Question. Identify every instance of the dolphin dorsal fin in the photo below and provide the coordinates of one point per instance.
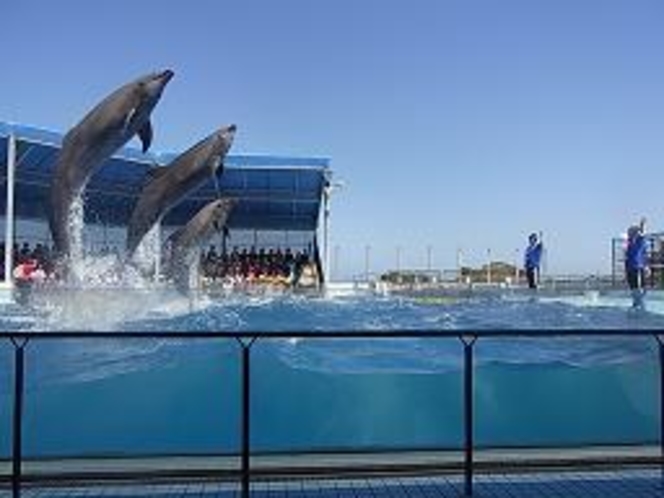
(145, 134)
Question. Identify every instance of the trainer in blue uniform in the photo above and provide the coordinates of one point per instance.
(532, 260)
(636, 258)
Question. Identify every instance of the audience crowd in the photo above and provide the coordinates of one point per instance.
(272, 265)
(253, 266)
(24, 253)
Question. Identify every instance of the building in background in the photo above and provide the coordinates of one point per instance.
(281, 199)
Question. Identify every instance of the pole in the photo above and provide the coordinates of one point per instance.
(19, 374)
(544, 268)
(336, 262)
(246, 415)
(468, 344)
(660, 343)
(9, 218)
(326, 230)
(429, 257)
(614, 277)
(367, 254)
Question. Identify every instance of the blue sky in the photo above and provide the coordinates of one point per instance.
(453, 123)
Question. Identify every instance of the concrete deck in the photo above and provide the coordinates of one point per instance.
(311, 465)
(606, 472)
(641, 483)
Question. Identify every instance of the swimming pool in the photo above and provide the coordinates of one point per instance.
(181, 396)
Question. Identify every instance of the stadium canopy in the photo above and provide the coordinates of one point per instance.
(273, 192)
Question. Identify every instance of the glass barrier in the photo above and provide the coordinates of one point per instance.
(175, 396)
(131, 397)
(575, 391)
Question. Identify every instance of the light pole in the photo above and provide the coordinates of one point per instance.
(488, 266)
(335, 271)
(459, 262)
(429, 257)
(9, 218)
(367, 259)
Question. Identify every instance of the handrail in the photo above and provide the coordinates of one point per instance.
(333, 334)
(245, 339)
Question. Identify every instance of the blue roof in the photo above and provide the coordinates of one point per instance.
(274, 192)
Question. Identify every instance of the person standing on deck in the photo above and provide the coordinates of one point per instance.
(636, 256)
(532, 260)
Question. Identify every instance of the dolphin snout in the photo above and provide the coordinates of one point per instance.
(226, 134)
(166, 75)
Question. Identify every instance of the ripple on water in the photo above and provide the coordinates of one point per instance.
(168, 311)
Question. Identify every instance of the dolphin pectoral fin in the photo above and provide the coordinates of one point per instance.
(215, 163)
(145, 134)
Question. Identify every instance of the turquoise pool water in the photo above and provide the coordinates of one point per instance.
(182, 396)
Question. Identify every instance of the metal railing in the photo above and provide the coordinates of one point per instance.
(468, 339)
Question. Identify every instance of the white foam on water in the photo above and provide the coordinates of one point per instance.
(104, 292)
(653, 304)
(591, 299)
(94, 308)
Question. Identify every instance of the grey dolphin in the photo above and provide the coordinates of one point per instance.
(183, 244)
(106, 128)
(170, 184)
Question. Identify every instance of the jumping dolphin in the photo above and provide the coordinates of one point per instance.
(183, 244)
(110, 125)
(170, 184)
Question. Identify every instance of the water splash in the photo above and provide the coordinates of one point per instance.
(105, 291)
(75, 223)
(148, 253)
(90, 271)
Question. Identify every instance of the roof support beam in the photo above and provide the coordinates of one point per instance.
(9, 211)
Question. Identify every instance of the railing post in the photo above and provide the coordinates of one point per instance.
(660, 343)
(468, 343)
(246, 415)
(19, 377)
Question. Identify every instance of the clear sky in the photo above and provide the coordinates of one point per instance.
(452, 123)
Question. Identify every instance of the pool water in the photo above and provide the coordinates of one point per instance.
(180, 396)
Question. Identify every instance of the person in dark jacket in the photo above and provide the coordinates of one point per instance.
(636, 259)
(533, 259)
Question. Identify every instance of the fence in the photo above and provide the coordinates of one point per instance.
(246, 340)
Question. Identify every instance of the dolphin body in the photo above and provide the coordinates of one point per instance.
(183, 244)
(170, 184)
(110, 125)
